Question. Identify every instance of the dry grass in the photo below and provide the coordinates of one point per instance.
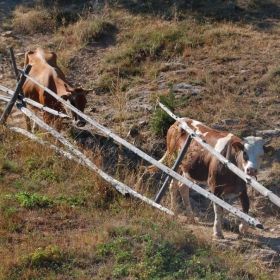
(89, 29)
(30, 21)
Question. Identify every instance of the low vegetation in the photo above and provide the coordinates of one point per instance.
(80, 228)
(58, 219)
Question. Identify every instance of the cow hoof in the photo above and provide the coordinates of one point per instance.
(218, 236)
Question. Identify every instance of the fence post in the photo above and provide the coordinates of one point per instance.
(175, 167)
(16, 71)
(14, 63)
(14, 97)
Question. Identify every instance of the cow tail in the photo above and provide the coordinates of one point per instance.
(153, 168)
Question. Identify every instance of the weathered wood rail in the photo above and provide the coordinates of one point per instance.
(151, 160)
(33, 103)
(81, 159)
(140, 153)
(14, 96)
(249, 180)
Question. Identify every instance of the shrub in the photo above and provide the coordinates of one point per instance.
(27, 200)
(161, 121)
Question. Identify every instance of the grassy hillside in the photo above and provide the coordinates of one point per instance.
(60, 220)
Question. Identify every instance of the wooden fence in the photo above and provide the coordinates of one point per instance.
(79, 157)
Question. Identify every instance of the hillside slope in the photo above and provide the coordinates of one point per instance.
(220, 62)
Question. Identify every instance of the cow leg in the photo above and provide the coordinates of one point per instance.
(28, 123)
(185, 193)
(35, 127)
(243, 227)
(173, 190)
(218, 222)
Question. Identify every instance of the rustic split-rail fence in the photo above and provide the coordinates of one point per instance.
(74, 154)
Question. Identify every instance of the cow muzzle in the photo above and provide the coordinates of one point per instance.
(80, 123)
(252, 171)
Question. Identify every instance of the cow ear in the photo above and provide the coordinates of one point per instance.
(238, 146)
(68, 89)
(269, 150)
(87, 91)
(65, 97)
(81, 91)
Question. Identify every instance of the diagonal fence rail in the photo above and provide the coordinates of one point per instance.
(33, 103)
(151, 160)
(81, 158)
(249, 180)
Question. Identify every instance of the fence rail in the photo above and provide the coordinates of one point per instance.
(34, 103)
(81, 159)
(249, 180)
(118, 185)
(151, 160)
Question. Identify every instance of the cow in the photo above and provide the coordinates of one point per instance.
(199, 165)
(46, 72)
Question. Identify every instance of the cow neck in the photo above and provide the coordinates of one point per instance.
(59, 83)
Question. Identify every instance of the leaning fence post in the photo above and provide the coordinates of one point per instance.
(174, 168)
(16, 71)
(14, 63)
(14, 97)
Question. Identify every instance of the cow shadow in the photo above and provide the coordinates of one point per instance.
(113, 155)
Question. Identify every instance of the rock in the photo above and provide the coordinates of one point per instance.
(133, 132)
(181, 86)
(7, 34)
(178, 72)
(229, 121)
(268, 132)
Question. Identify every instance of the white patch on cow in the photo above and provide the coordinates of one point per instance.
(253, 146)
(196, 128)
(222, 142)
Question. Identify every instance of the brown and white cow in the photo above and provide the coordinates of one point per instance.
(201, 166)
(46, 72)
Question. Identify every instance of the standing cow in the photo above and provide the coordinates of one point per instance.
(46, 72)
(201, 166)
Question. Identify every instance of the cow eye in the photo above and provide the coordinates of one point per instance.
(245, 156)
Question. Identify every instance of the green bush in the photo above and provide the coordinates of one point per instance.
(161, 121)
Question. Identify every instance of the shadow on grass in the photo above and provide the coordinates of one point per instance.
(258, 13)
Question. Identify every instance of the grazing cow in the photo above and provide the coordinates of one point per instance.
(201, 166)
(46, 72)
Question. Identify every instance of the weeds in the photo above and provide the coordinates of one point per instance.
(28, 201)
(161, 121)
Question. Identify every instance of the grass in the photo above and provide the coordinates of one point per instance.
(61, 221)
(84, 229)
(33, 20)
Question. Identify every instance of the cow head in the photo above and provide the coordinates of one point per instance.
(253, 150)
(77, 98)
